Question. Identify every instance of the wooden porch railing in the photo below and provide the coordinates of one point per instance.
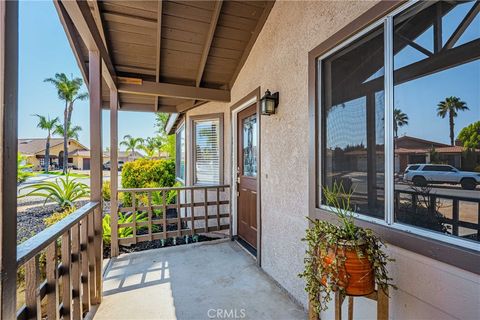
(455, 221)
(65, 286)
(163, 220)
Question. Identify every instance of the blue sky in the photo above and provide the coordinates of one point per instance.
(44, 50)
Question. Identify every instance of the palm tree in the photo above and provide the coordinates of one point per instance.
(450, 106)
(131, 143)
(49, 125)
(400, 119)
(151, 145)
(72, 132)
(69, 91)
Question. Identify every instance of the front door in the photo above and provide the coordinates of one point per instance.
(247, 175)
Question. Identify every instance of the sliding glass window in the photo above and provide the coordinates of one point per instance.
(419, 68)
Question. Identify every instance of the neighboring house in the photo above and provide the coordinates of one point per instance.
(34, 150)
(124, 156)
(409, 150)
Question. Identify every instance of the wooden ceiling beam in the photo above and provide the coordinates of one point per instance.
(208, 41)
(159, 89)
(72, 39)
(159, 46)
(251, 42)
(462, 26)
(82, 18)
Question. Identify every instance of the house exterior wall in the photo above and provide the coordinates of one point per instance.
(279, 62)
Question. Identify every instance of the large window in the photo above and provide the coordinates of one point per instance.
(207, 149)
(400, 120)
(180, 153)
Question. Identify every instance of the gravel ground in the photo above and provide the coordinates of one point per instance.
(31, 213)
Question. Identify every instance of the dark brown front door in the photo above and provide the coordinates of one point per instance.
(247, 175)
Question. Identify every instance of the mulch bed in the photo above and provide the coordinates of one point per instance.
(30, 220)
(157, 244)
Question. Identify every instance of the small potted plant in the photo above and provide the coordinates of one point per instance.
(342, 257)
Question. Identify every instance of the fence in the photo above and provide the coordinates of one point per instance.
(145, 219)
(70, 268)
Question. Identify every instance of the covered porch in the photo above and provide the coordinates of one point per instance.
(216, 279)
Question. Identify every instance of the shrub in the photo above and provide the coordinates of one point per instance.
(106, 191)
(145, 172)
(122, 232)
(477, 168)
(64, 191)
(57, 216)
(22, 166)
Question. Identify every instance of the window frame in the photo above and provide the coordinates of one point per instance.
(193, 153)
(451, 250)
(181, 126)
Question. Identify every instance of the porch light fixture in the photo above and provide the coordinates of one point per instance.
(269, 103)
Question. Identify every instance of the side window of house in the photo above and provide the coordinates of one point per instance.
(353, 122)
(207, 155)
(180, 153)
(421, 67)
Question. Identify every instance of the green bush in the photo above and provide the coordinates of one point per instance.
(22, 167)
(106, 191)
(143, 173)
(57, 216)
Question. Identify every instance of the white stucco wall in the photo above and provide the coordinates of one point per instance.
(428, 289)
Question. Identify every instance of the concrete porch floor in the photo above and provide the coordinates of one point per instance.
(209, 280)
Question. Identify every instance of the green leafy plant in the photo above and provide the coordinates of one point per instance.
(107, 230)
(22, 167)
(324, 238)
(145, 172)
(124, 232)
(64, 191)
(106, 192)
(57, 216)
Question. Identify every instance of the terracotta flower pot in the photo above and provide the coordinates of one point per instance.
(357, 275)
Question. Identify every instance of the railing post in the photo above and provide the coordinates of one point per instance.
(205, 204)
(114, 251)
(32, 294)
(66, 277)
(8, 156)
(85, 278)
(455, 217)
(52, 281)
(96, 170)
(75, 277)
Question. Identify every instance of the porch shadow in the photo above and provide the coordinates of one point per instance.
(204, 281)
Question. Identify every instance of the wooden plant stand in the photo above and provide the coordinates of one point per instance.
(379, 296)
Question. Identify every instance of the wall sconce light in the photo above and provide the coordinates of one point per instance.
(269, 103)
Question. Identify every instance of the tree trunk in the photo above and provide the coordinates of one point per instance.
(65, 140)
(452, 125)
(47, 154)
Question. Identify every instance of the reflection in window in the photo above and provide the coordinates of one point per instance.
(250, 146)
(436, 117)
(353, 122)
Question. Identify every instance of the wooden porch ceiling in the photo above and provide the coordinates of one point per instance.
(166, 56)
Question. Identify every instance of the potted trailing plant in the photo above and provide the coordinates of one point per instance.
(342, 257)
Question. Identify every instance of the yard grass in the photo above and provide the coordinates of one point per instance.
(71, 174)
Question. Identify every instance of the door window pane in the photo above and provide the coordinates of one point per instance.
(352, 120)
(436, 117)
(250, 146)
